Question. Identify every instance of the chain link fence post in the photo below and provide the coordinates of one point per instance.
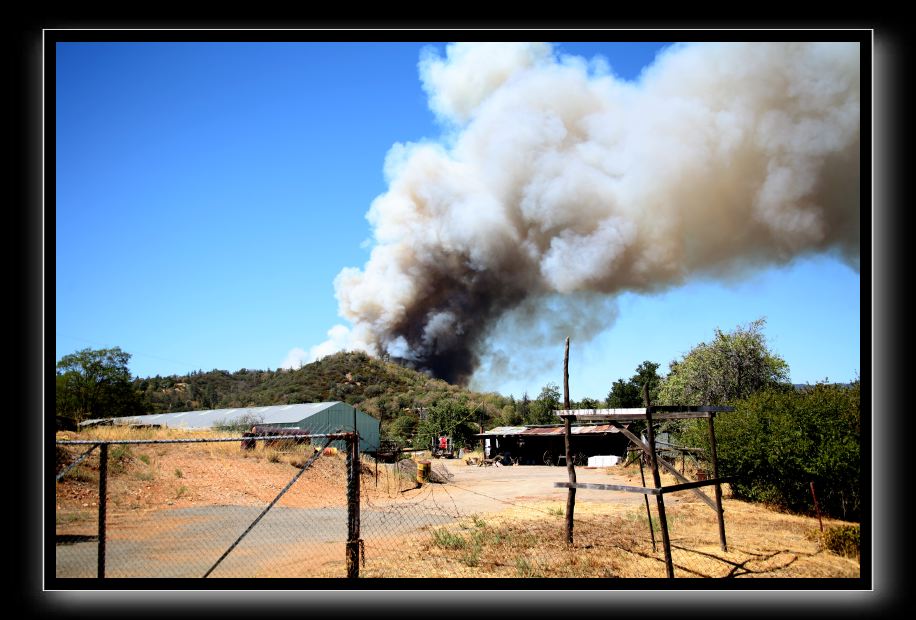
(103, 492)
(353, 506)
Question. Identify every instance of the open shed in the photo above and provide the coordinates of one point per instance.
(326, 417)
(544, 445)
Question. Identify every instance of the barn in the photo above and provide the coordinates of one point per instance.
(328, 417)
(545, 445)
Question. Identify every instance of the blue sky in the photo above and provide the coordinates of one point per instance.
(208, 194)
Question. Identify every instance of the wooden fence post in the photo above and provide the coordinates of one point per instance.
(663, 521)
(715, 475)
(570, 466)
(642, 476)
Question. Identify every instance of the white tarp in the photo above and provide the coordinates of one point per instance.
(608, 460)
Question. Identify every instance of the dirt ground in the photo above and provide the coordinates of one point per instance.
(481, 522)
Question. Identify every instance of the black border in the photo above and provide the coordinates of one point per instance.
(809, 597)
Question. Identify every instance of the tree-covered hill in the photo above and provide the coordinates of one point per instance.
(382, 389)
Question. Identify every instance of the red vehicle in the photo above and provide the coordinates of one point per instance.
(443, 448)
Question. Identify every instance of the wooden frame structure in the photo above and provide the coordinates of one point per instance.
(651, 414)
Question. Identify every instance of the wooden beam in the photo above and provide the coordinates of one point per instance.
(674, 488)
(607, 487)
(587, 415)
(634, 414)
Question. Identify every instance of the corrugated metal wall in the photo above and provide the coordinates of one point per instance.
(339, 417)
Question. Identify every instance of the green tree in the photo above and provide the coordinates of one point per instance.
(628, 393)
(588, 403)
(509, 416)
(541, 410)
(624, 394)
(524, 408)
(402, 428)
(447, 417)
(95, 383)
(733, 366)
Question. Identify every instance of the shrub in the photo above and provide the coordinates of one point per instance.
(842, 540)
(779, 441)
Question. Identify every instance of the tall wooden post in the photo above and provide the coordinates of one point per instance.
(570, 467)
(663, 521)
(715, 475)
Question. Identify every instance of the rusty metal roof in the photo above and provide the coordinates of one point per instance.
(591, 429)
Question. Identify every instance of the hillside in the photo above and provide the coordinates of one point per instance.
(382, 389)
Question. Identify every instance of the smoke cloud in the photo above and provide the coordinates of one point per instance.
(558, 181)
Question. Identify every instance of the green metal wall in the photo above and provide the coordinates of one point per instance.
(339, 418)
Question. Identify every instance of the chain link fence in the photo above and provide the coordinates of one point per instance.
(457, 526)
(210, 508)
(479, 523)
(202, 508)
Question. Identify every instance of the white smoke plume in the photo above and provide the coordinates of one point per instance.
(557, 179)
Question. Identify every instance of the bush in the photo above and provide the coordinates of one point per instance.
(842, 540)
(779, 441)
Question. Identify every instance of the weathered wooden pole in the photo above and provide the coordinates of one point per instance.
(715, 475)
(663, 521)
(642, 476)
(570, 467)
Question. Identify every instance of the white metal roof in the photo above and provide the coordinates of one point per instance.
(274, 414)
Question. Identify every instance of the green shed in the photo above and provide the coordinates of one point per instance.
(331, 417)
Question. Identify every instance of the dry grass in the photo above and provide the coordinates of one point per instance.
(612, 540)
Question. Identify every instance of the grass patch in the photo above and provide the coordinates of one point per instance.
(81, 473)
(524, 568)
(69, 518)
(181, 491)
(557, 512)
(448, 540)
(179, 473)
(119, 457)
